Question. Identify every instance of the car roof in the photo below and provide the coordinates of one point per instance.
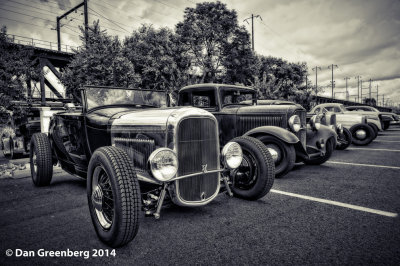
(216, 85)
(328, 104)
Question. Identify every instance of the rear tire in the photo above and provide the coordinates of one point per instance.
(114, 197)
(368, 131)
(346, 138)
(386, 125)
(286, 154)
(40, 158)
(255, 176)
(328, 152)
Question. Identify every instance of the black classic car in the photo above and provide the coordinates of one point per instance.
(282, 128)
(135, 156)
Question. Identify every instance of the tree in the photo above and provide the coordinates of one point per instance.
(158, 58)
(370, 101)
(240, 62)
(283, 80)
(207, 33)
(100, 62)
(16, 70)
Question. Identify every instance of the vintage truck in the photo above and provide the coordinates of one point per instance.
(282, 128)
(137, 155)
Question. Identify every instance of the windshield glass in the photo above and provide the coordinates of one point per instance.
(97, 96)
(237, 96)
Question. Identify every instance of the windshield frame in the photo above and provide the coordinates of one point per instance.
(86, 108)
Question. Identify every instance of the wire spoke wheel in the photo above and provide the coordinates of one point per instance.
(102, 197)
(246, 175)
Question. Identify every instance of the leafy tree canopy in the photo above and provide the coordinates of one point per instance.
(100, 62)
(157, 57)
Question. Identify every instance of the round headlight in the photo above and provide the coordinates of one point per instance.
(315, 122)
(163, 164)
(294, 123)
(232, 155)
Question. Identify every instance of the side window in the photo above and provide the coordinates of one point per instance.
(336, 109)
(317, 110)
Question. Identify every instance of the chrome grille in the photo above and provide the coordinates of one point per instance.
(197, 146)
(247, 123)
(137, 149)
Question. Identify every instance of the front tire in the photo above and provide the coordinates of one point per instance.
(345, 140)
(375, 128)
(113, 195)
(40, 158)
(386, 125)
(328, 152)
(286, 154)
(366, 136)
(255, 176)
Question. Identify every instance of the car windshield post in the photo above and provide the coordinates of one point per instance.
(104, 96)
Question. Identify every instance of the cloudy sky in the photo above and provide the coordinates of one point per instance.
(361, 37)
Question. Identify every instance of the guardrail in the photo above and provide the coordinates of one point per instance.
(40, 43)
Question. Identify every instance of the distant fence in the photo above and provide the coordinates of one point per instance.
(40, 43)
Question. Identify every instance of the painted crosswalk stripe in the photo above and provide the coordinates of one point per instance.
(367, 165)
(370, 149)
(393, 141)
(337, 203)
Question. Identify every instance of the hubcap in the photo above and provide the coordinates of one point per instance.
(274, 154)
(102, 197)
(361, 134)
(97, 198)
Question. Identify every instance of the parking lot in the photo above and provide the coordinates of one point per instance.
(342, 212)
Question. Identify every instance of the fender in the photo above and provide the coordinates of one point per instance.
(278, 132)
(324, 132)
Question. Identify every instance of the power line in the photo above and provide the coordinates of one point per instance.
(36, 25)
(19, 8)
(23, 4)
(108, 20)
(25, 14)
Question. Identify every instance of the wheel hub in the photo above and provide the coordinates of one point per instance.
(274, 154)
(361, 134)
(97, 198)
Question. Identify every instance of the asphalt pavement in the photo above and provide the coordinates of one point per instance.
(343, 212)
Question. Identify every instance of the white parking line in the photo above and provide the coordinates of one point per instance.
(369, 149)
(336, 203)
(394, 141)
(367, 165)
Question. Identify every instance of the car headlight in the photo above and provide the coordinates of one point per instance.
(232, 155)
(294, 123)
(315, 122)
(163, 164)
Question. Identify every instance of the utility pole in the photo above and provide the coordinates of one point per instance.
(361, 89)
(383, 100)
(347, 92)
(85, 11)
(370, 81)
(316, 78)
(333, 83)
(377, 93)
(252, 27)
(358, 88)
